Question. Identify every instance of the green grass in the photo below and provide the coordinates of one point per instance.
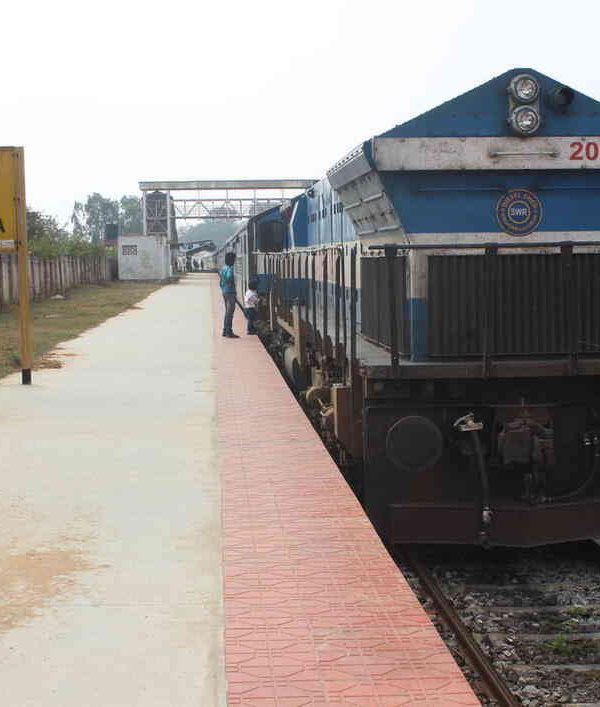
(561, 645)
(56, 320)
(577, 611)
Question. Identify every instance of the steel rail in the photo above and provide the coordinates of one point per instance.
(493, 684)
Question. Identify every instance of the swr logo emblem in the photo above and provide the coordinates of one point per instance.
(519, 212)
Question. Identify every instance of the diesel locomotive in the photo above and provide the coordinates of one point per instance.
(436, 301)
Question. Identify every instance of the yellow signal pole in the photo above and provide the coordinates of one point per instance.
(23, 265)
(13, 238)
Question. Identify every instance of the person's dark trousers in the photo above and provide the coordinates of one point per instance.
(229, 300)
(251, 317)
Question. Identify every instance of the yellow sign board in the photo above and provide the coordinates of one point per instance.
(8, 193)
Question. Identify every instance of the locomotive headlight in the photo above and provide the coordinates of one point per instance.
(525, 120)
(524, 88)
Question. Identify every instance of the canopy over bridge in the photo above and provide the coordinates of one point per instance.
(212, 200)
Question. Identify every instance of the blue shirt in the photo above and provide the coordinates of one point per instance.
(227, 280)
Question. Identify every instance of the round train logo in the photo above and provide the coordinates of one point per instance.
(519, 212)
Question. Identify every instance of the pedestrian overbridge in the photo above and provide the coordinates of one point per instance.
(158, 253)
(211, 200)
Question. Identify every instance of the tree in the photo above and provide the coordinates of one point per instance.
(45, 237)
(49, 240)
(130, 214)
(90, 219)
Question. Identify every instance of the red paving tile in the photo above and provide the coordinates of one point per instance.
(316, 612)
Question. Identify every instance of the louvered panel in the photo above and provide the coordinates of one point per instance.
(527, 309)
(375, 313)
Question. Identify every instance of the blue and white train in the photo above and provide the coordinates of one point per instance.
(436, 298)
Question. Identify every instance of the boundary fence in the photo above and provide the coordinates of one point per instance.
(52, 276)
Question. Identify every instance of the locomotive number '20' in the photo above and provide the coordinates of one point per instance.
(584, 151)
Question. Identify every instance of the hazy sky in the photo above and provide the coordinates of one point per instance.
(104, 94)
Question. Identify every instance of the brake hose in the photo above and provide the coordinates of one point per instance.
(467, 423)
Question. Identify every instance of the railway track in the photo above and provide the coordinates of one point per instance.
(527, 621)
(492, 682)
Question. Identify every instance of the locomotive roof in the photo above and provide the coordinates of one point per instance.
(482, 112)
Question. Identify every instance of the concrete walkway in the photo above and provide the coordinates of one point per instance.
(110, 542)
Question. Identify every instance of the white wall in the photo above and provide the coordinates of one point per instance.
(144, 257)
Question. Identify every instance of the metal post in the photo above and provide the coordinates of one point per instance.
(325, 300)
(168, 254)
(23, 266)
(353, 295)
(417, 303)
(344, 312)
(572, 313)
(144, 214)
(314, 297)
(337, 304)
(168, 205)
(489, 290)
(305, 288)
(390, 256)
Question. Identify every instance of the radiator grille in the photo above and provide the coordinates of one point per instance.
(375, 311)
(514, 304)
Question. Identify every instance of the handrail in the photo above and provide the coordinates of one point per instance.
(483, 246)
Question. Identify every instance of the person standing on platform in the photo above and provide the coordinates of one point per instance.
(251, 300)
(227, 282)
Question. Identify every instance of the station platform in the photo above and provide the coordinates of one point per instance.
(316, 611)
(174, 534)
